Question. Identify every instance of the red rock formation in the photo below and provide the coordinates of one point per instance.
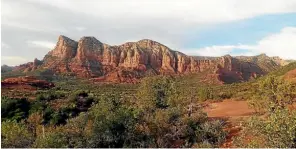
(30, 66)
(90, 58)
(26, 81)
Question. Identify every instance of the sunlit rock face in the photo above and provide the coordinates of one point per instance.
(133, 60)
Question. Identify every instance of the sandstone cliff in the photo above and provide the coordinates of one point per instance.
(133, 60)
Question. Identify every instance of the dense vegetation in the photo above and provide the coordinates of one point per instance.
(158, 112)
(276, 127)
(155, 113)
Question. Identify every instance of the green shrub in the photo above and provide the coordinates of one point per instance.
(14, 109)
(58, 118)
(211, 132)
(37, 106)
(276, 131)
(156, 92)
(205, 94)
(49, 96)
(47, 115)
(40, 97)
(15, 135)
(225, 95)
(272, 93)
(51, 140)
(168, 112)
(113, 124)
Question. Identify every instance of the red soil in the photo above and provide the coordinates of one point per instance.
(291, 75)
(232, 111)
(228, 108)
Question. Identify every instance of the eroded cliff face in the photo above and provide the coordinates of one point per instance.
(65, 48)
(133, 60)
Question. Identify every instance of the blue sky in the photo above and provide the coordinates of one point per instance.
(247, 31)
(195, 27)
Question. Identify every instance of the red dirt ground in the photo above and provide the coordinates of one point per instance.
(291, 75)
(228, 108)
(233, 112)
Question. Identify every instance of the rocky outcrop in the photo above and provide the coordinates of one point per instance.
(86, 62)
(26, 81)
(65, 48)
(30, 66)
(127, 62)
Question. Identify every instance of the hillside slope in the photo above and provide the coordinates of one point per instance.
(290, 72)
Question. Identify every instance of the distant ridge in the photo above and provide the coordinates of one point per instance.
(90, 58)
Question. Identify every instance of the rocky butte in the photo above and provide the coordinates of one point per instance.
(90, 58)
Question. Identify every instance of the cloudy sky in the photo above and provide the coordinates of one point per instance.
(30, 28)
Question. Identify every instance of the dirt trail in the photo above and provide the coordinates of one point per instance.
(232, 112)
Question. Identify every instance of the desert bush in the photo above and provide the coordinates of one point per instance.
(211, 132)
(58, 118)
(75, 133)
(40, 97)
(158, 112)
(51, 140)
(47, 115)
(272, 93)
(225, 95)
(51, 116)
(156, 92)
(112, 123)
(277, 130)
(14, 109)
(37, 106)
(79, 131)
(177, 117)
(15, 135)
(50, 95)
(205, 93)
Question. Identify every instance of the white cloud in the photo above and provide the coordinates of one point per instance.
(220, 50)
(42, 44)
(33, 27)
(198, 11)
(118, 14)
(282, 44)
(115, 21)
(80, 28)
(13, 60)
(4, 45)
